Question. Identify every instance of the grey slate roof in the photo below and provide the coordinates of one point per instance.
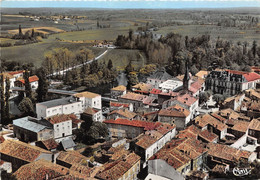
(68, 143)
(58, 102)
(25, 123)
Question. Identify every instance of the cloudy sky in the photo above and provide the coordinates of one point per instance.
(148, 4)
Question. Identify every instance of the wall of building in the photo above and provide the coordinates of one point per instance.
(131, 174)
(240, 142)
(117, 130)
(62, 129)
(116, 94)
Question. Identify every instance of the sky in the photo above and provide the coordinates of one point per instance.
(135, 4)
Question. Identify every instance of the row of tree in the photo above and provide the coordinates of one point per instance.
(173, 51)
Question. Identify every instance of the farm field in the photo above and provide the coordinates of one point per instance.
(34, 53)
(229, 33)
(109, 34)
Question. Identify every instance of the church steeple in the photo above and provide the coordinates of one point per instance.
(186, 78)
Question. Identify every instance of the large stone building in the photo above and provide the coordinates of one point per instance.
(27, 129)
(230, 81)
(54, 107)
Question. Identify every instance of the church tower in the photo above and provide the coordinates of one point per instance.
(186, 78)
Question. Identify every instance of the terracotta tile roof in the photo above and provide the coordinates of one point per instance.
(180, 151)
(193, 148)
(170, 93)
(117, 169)
(255, 125)
(86, 94)
(143, 87)
(2, 139)
(151, 136)
(232, 114)
(133, 96)
(202, 74)
(194, 87)
(249, 76)
(119, 88)
(21, 150)
(218, 117)
(186, 99)
(41, 169)
(155, 91)
(117, 152)
(73, 157)
(190, 132)
(59, 118)
(50, 144)
(118, 104)
(138, 123)
(149, 100)
(208, 136)
(175, 111)
(124, 112)
(206, 119)
(226, 152)
(31, 79)
(16, 72)
(91, 111)
(6, 75)
(241, 126)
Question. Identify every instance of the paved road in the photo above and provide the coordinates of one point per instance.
(77, 66)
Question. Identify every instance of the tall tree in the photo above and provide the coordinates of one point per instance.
(32, 35)
(28, 89)
(2, 99)
(110, 64)
(7, 96)
(254, 48)
(42, 89)
(20, 31)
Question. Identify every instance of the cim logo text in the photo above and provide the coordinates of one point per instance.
(241, 171)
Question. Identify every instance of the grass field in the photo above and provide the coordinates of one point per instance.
(121, 58)
(228, 33)
(98, 34)
(7, 40)
(44, 30)
(34, 53)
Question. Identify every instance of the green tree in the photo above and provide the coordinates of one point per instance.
(32, 35)
(7, 96)
(91, 131)
(2, 99)
(42, 89)
(28, 89)
(254, 47)
(110, 64)
(26, 107)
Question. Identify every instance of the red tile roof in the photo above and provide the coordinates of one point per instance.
(16, 72)
(2, 139)
(41, 169)
(155, 91)
(206, 119)
(194, 87)
(134, 96)
(60, 118)
(186, 99)
(117, 104)
(116, 169)
(249, 76)
(175, 111)
(124, 112)
(73, 157)
(31, 79)
(50, 144)
(135, 123)
(208, 136)
(226, 152)
(21, 150)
